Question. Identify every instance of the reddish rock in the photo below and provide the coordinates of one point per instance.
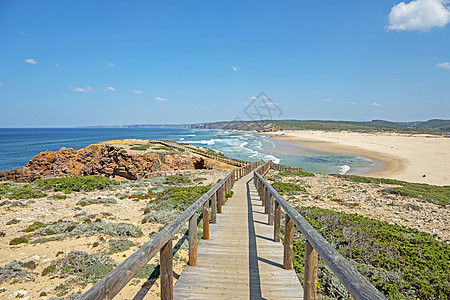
(103, 159)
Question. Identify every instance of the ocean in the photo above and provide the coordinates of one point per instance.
(19, 145)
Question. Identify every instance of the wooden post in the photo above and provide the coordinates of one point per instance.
(166, 270)
(277, 221)
(219, 199)
(270, 219)
(288, 242)
(214, 208)
(206, 220)
(311, 257)
(266, 199)
(193, 240)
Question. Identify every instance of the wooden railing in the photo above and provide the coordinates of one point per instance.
(230, 161)
(112, 283)
(357, 285)
(279, 167)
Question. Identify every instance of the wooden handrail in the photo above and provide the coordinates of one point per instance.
(357, 285)
(112, 283)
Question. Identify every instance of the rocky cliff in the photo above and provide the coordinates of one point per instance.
(105, 159)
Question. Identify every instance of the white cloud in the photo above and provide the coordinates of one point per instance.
(351, 103)
(31, 61)
(138, 92)
(234, 68)
(329, 100)
(419, 15)
(110, 64)
(21, 33)
(253, 98)
(110, 89)
(1, 84)
(272, 103)
(137, 106)
(375, 104)
(57, 65)
(85, 89)
(159, 99)
(444, 65)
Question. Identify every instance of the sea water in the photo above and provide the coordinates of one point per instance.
(19, 145)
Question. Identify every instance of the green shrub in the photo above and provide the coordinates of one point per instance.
(401, 262)
(160, 216)
(14, 271)
(13, 221)
(287, 187)
(62, 197)
(296, 173)
(435, 194)
(180, 197)
(85, 201)
(19, 240)
(33, 227)
(111, 229)
(176, 180)
(20, 193)
(76, 184)
(140, 147)
(121, 245)
(229, 194)
(57, 228)
(46, 239)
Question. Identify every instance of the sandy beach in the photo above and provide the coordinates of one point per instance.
(414, 158)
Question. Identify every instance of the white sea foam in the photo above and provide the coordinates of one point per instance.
(272, 158)
(181, 139)
(344, 169)
(205, 142)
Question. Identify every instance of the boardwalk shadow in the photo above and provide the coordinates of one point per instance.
(255, 279)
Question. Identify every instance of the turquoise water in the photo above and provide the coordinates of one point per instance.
(19, 145)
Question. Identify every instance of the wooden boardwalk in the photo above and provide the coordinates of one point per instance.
(240, 260)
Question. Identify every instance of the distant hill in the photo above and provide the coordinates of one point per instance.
(431, 126)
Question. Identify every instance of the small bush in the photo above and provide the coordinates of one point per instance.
(296, 173)
(287, 187)
(229, 194)
(45, 240)
(19, 240)
(140, 147)
(13, 221)
(121, 245)
(180, 197)
(14, 271)
(176, 180)
(160, 216)
(33, 227)
(76, 184)
(111, 229)
(20, 193)
(86, 201)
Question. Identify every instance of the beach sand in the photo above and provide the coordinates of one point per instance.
(404, 157)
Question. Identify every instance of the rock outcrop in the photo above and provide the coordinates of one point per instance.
(104, 159)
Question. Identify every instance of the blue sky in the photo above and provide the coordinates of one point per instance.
(72, 63)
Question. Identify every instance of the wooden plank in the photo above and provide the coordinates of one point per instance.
(240, 260)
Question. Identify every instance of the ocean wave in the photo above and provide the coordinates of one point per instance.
(205, 142)
(272, 158)
(344, 169)
(181, 139)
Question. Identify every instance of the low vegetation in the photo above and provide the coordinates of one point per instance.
(85, 201)
(16, 192)
(76, 184)
(287, 187)
(402, 263)
(432, 193)
(176, 180)
(296, 173)
(140, 147)
(181, 197)
(16, 272)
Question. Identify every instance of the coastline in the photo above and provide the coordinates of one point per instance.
(402, 157)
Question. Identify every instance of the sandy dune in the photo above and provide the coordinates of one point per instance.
(405, 157)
